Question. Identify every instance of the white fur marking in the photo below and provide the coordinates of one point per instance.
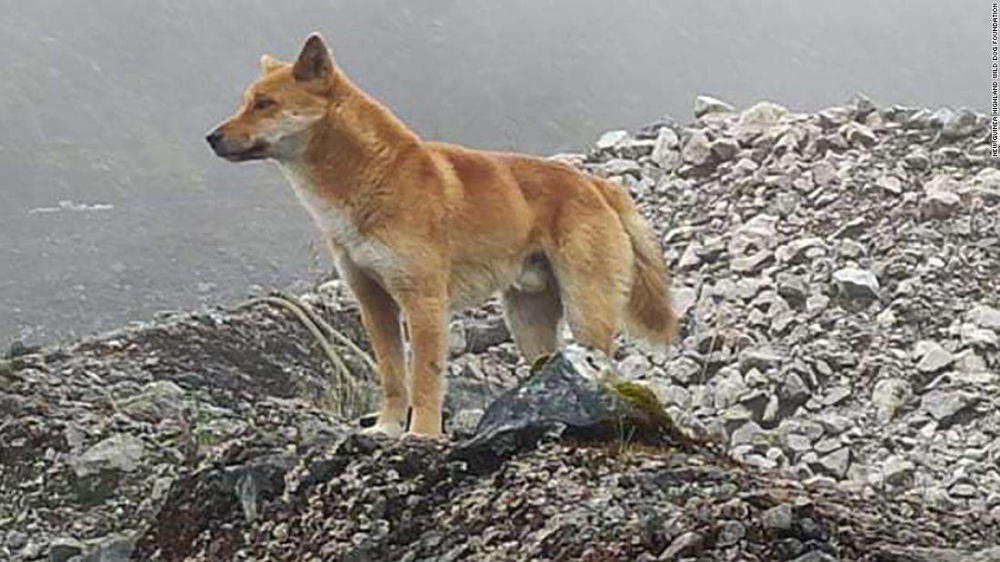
(336, 223)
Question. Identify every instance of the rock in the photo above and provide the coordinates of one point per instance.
(761, 116)
(889, 396)
(158, 400)
(121, 452)
(666, 150)
(816, 556)
(892, 184)
(939, 204)
(917, 159)
(112, 548)
(798, 249)
(856, 283)
(611, 139)
(933, 358)
(697, 151)
(684, 546)
(704, 105)
(746, 434)
(897, 471)
(955, 125)
(619, 167)
(778, 518)
(984, 317)
(824, 174)
(62, 549)
(559, 398)
(858, 135)
(724, 149)
(482, 335)
(836, 463)
(730, 533)
(947, 407)
(457, 342)
(751, 263)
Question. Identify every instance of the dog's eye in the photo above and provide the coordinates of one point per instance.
(263, 103)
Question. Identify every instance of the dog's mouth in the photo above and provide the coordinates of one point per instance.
(256, 151)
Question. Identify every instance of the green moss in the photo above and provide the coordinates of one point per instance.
(539, 362)
(6, 367)
(643, 403)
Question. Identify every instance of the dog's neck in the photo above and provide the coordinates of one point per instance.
(349, 152)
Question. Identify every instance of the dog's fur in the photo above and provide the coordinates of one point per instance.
(422, 228)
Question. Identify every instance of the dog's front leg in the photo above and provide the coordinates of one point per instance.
(380, 315)
(426, 315)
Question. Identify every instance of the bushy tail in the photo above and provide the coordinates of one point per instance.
(650, 313)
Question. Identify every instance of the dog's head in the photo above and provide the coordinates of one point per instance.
(279, 111)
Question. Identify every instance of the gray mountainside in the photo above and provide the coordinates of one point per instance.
(836, 378)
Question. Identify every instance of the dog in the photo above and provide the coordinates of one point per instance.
(419, 229)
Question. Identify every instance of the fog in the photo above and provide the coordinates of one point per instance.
(113, 208)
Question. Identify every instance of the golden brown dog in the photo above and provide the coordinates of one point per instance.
(423, 228)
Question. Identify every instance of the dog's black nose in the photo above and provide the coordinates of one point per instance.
(214, 138)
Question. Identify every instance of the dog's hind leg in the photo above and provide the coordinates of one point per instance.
(534, 319)
(593, 265)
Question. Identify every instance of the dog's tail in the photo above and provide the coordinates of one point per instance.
(650, 314)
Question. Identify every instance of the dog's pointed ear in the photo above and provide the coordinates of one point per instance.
(269, 64)
(314, 62)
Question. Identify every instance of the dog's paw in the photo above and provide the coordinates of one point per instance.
(438, 437)
(390, 429)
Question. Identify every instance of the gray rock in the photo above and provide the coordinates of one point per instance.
(745, 434)
(619, 167)
(778, 518)
(836, 463)
(484, 334)
(816, 556)
(889, 396)
(730, 533)
(611, 139)
(158, 400)
(892, 184)
(686, 545)
(697, 151)
(558, 398)
(858, 135)
(724, 149)
(62, 549)
(917, 159)
(933, 358)
(947, 406)
(856, 283)
(122, 452)
(761, 116)
(985, 317)
(703, 105)
(824, 174)
(666, 150)
(112, 548)
(955, 125)
(897, 471)
(753, 262)
(939, 204)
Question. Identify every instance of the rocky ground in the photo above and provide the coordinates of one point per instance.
(837, 371)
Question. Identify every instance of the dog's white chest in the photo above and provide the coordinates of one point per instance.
(336, 224)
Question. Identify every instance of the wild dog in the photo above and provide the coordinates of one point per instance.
(420, 229)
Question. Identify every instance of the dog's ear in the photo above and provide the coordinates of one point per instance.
(314, 62)
(269, 64)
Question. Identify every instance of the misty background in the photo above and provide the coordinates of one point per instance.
(112, 207)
